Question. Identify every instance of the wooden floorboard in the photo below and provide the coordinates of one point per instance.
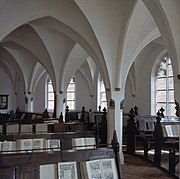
(138, 168)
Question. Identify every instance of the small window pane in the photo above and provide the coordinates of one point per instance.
(161, 105)
(71, 87)
(171, 110)
(70, 96)
(71, 104)
(50, 88)
(171, 83)
(50, 96)
(102, 87)
(170, 70)
(103, 97)
(161, 83)
(103, 105)
(161, 96)
(171, 96)
(51, 105)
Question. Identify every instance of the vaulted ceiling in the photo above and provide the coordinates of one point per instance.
(60, 37)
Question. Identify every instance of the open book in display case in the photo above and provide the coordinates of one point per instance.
(53, 164)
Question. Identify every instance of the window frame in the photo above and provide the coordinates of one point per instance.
(73, 84)
(167, 90)
(101, 91)
(49, 83)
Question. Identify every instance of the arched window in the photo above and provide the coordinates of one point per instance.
(50, 95)
(70, 100)
(102, 100)
(165, 87)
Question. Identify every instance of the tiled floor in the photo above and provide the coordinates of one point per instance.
(139, 168)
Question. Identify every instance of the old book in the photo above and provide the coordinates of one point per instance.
(27, 145)
(67, 170)
(48, 171)
(101, 169)
(169, 130)
(26, 128)
(8, 147)
(164, 131)
(38, 145)
(41, 128)
(90, 142)
(24, 145)
(83, 143)
(53, 145)
(175, 130)
(12, 129)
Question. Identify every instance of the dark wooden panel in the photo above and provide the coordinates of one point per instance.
(7, 173)
(40, 158)
(27, 171)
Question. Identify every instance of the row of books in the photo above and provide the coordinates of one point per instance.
(93, 169)
(83, 143)
(29, 145)
(42, 144)
(25, 128)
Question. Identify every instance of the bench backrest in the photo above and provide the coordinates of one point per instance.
(146, 123)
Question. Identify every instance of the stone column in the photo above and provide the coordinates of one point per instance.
(114, 119)
(29, 102)
(59, 104)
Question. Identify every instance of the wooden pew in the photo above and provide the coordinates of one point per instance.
(146, 127)
(166, 136)
(27, 165)
(82, 119)
(171, 141)
(65, 137)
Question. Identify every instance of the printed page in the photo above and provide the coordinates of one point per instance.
(25, 145)
(53, 145)
(26, 128)
(94, 169)
(108, 168)
(48, 171)
(78, 142)
(175, 130)
(169, 130)
(8, 147)
(12, 129)
(41, 128)
(67, 170)
(90, 142)
(38, 144)
(164, 131)
(151, 125)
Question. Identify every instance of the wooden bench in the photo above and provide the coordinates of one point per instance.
(65, 137)
(28, 165)
(166, 137)
(171, 141)
(154, 134)
(146, 127)
(99, 125)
